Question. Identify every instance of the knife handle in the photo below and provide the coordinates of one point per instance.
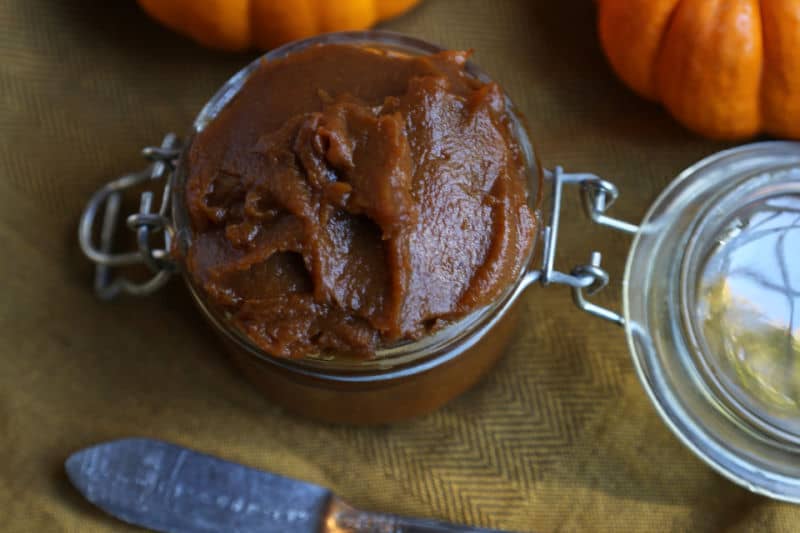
(342, 518)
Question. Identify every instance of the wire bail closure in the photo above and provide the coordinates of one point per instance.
(145, 224)
(598, 196)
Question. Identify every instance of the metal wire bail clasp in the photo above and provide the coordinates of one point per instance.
(145, 224)
(598, 195)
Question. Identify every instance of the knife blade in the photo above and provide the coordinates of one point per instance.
(164, 487)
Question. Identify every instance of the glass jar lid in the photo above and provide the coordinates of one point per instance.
(712, 309)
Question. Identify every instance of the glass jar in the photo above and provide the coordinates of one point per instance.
(401, 381)
(712, 313)
(711, 299)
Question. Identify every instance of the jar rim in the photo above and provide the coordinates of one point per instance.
(405, 358)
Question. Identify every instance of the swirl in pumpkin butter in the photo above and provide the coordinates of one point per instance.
(350, 198)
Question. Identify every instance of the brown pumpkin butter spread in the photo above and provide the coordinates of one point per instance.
(348, 198)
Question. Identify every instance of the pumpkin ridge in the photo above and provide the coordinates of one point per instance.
(781, 107)
(660, 50)
(710, 76)
(719, 17)
(631, 33)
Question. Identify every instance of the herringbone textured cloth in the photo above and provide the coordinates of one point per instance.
(559, 437)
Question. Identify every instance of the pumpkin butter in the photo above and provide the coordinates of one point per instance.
(349, 198)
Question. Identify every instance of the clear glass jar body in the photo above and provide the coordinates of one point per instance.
(401, 381)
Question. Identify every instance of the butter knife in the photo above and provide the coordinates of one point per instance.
(164, 487)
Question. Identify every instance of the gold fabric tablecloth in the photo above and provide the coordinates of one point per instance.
(560, 436)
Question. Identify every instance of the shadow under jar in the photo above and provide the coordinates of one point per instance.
(401, 378)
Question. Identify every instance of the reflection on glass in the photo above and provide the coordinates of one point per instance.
(749, 307)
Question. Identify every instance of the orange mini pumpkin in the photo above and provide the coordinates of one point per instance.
(727, 69)
(264, 24)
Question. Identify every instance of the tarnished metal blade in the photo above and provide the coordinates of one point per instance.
(168, 488)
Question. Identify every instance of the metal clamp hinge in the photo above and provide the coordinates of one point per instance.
(145, 224)
(598, 195)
